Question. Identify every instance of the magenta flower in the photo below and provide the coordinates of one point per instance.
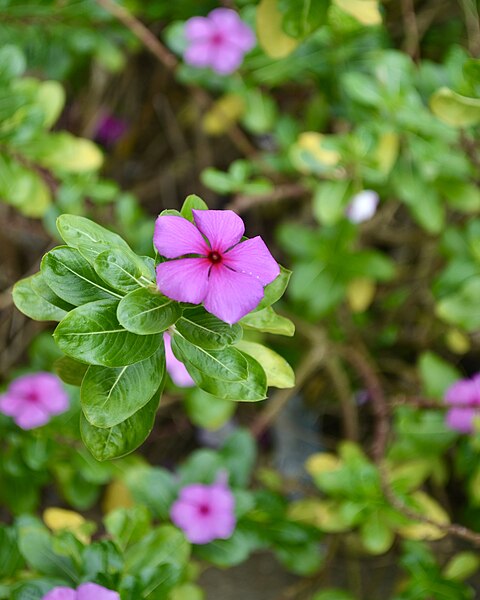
(110, 129)
(175, 368)
(464, 398)
(205, 512)
(31, 400)
(362, 206)
(218, 41)
(226, 275)
(87, 591)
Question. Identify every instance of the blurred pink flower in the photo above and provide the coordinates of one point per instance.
(227, 275)
(218, 41)
(31, 400)
(175, 368)
(464, 398)
(205, 512)
(110, 129)
(87, 591)
(362, 206)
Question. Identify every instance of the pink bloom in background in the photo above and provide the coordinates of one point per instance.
(218, 41)
(175, 368)
(87, 591)
(362, 206)
(464, 398)
(227, 275)
(31, 400)
(110, 129)
(205, 512)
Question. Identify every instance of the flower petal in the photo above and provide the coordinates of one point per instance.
(198, 28)
(11, 404)
(231, 295)
(225, 19)
(224, 525)
(253, 258)
(175, 236)
(61, 593)
(462, 393)
(184, 280)
(244, 37)
(176, 369)
(33, 416)
(226, 60)
(199, 54)
(51, 394)
(92, 591)
(461, 419)
(222, 228)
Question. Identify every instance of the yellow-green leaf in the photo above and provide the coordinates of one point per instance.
(51, 98)
(360, 293)
(430, 508)
(279, 373)
(60, 519)
(322, 462)
(455, 109)
(274, 41)
(223, 114)
(366, 12)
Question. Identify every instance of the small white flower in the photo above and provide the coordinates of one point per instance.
(362, 206)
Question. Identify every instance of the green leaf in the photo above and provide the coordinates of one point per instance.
(376, 535)
(110, 396)
(10, 558)
(30, 303)
(23, 188)
(91, 333)
(89, 237)
(303, 17)
(187, 591)
(275, 290)
(333, 594)
(267, 321)
(117, 441)
(37, 547)
(239, 454)
(226, 553)
(462, 566)
(64, 152)
(273, 40)
(203, 329)
(227, 364)
(154, 487)
(461, 195)
(462, 307)
(207, 411)
(249, 390)
(279, 373)
(69, 370)
(128, 525)
(12, 62)
(145, 311)
(124, 270)
(163, 545)
(330, 200)
(437, 375)
(51, 98)
(72, 277)
(192, 202)
(455, 109)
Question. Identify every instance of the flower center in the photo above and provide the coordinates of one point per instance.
(217, 39)
(215, 257)
(204, 509)
(31, 397)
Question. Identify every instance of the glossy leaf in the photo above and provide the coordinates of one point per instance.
(117, 441)
(69, 370)
(91, 333)
(204, 329)
(30, 303)
(124, 270)
(93, 239)
(279, 373)
(146, 311)
(110, 396)
(268, 321)
(72, 277)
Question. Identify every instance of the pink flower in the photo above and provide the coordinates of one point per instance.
(175, 368)
(464, 398)
(362, 206)
(87, 591)
(218, 41)
(31, 400)
(205, 512)
(227, 276)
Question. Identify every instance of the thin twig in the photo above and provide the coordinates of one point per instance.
(141, 32)
(412, 36)
(340, 382)
(289, 191)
